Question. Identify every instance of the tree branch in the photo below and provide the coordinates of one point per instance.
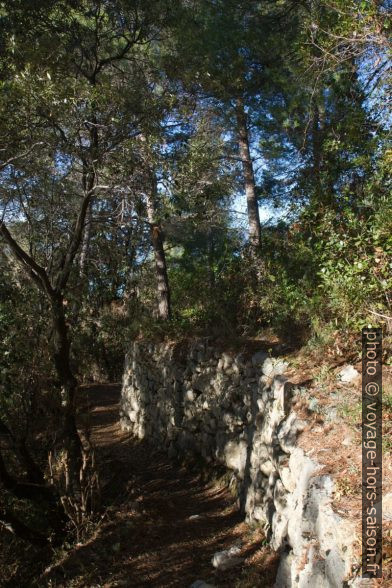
(36, 272)
(11, 160)
(65, 269)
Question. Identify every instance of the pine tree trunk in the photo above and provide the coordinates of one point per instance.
(162, 279)
(247, 167)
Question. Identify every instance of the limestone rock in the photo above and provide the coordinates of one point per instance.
(229, 410)
(348, 374)
(274, 367)
(235, 455)
(387, 507)
(189, 396)
(229, 558)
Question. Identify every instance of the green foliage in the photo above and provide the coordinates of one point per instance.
(25, 368)
(355, 267)
(136, 104)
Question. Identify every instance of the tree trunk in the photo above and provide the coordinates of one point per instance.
(316, 152)
(249, 180)
(72, 442)
(210, 257)
(54, 292)
(163, 287)
(84, 252)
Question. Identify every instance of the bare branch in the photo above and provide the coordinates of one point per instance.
(11, 160)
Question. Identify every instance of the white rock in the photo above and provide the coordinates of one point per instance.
(224, 560)
(235, 455)
(288, 432)
(361, 583)
(227, 360)
(280, 367)
(387, 507)
(287, 479)
(132, 415)
(190, 396)
(268, 367)
(238, 405)
(348, 374)
(267, 467)
(274, 367)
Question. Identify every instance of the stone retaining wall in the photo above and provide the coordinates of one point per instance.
(192, 399)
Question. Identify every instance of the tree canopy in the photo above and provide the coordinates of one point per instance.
(175, 168)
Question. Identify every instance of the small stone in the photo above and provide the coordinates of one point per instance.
(280, 367)
(268, 367)
(347, 441)
(132, 415)
(227, 360)
(348, 374)
(274, 367)
(224, 560)
(201, 584)
(194, 517)
(313, 405)
(236, 455)
(190, 395)
(331, 414)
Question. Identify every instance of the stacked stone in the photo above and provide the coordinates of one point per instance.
(236, 412)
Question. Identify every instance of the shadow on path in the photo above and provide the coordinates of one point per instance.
(147, 537)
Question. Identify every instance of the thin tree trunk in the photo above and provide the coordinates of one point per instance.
(163, 287)
(249, 179)
(53, 290)
(84, 251)
(68, 384)
(210, 256)
(72, 443)
(316, 152)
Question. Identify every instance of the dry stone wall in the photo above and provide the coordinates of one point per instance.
(193, 399)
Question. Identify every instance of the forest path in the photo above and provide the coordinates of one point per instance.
(147, 538)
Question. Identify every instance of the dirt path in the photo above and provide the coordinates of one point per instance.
(147, 537)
